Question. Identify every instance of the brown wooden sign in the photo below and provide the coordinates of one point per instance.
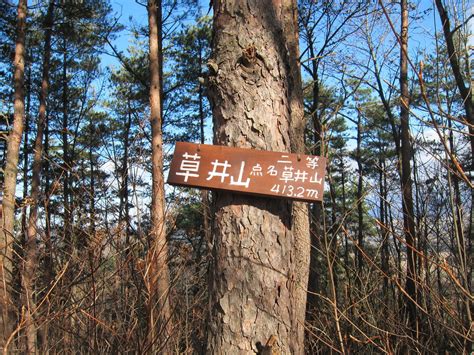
(295, 176)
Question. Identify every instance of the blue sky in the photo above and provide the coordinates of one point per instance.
(128, 12)
(132, 13)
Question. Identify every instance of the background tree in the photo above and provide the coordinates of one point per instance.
(30, 244)
(10, 176)
(157, 273)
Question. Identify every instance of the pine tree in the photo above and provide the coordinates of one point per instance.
(157, 278)
(253, 273)
(11, 168)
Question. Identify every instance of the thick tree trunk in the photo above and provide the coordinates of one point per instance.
(14, 140)
(157, 277)
(406, 181)
(30, 245)
(255, 92)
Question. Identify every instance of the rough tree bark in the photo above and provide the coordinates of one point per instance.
(261, 245)
(14, 139)
(157, 273)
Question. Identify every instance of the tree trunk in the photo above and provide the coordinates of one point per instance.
(157, 278)
(14, 140)
(316, 230)
(384, 230)
(300, 224)
(124, 178)
(49, 266)
(360, 210)
(466, 95)
(464, 90)
(68, 235)
(26, 149)
(255, 93)
(30, 245)
(406, 181)
(206, 212)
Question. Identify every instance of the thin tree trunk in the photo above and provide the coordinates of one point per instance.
(206, 212)
(157, 277)
(360, 211)
(459, 240)
(406, 181)
(316, 230)
(11, 169)
(384, 231)
(48, 253)
(254, 291)
(347, 268)
(467, 100)
(25, 151)
(92, 212)
(300, 228)
(68, 236)
(47, 193)
(123, 206)
(92, 252)
(464, 90)
(30, 245)
(20, 251)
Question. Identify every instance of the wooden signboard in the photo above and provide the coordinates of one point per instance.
(295, 176)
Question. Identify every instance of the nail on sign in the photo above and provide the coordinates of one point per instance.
(294, 176)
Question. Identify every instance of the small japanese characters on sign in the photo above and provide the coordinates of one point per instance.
(295, 176)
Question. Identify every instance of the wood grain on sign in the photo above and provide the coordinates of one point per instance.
(294, 176)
